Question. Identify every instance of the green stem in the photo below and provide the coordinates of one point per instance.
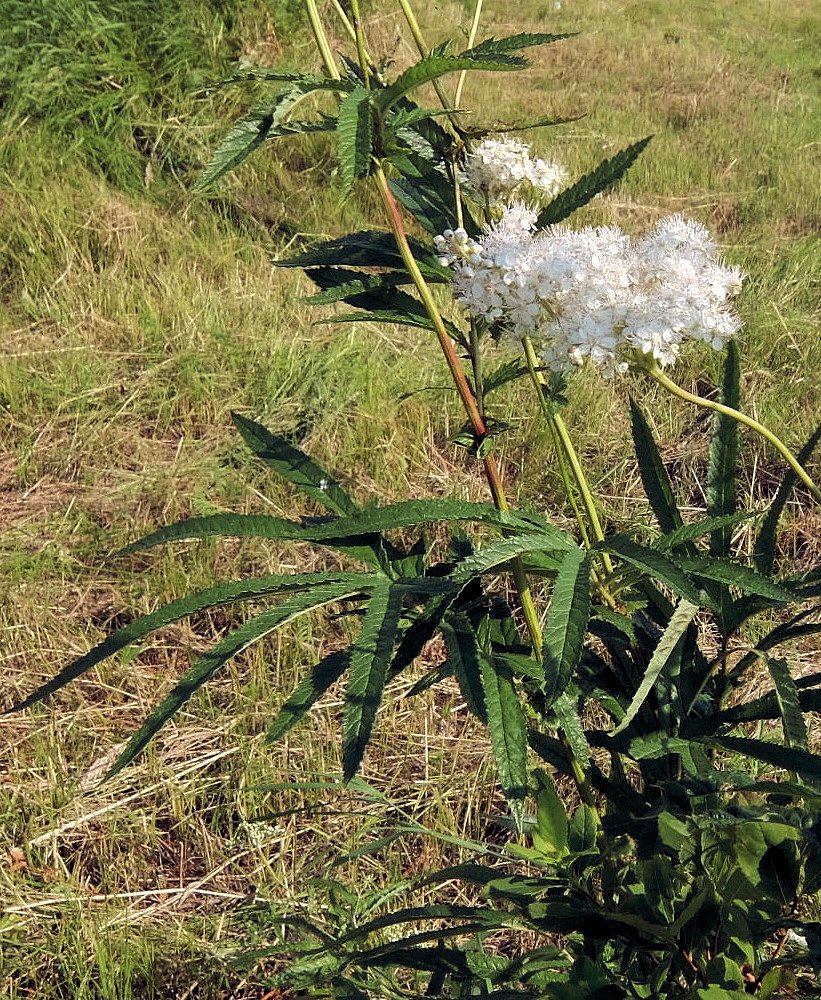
(423, 50)
(321, 40)
(559, 429)
(658, 375)
(474, 28)
(360, 43)
(476, 364)
(466, 395)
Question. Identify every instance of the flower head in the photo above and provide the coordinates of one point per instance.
(594, 294)
(498, 167)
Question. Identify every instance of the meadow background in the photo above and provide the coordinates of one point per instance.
(134, 317)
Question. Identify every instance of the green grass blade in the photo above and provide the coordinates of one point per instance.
(508, 733)
(325, 673)
(722, 467)
(223, 593)
(566, 623)
(767, 536)
(789, 703)
(370, 657)
(246, 635)
(295, 466)
(662, 655)
(585, 189)
(657, 485)
(354, 137)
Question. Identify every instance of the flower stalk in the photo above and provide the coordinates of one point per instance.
(654, 371)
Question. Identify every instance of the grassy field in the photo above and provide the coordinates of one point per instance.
(134, 317)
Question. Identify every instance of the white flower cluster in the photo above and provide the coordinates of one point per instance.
(595, 293)
(497, 167)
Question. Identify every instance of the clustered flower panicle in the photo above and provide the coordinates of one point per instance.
(496, 168)
(595, 293)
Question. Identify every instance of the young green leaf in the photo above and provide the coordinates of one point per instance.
(464, 660)
(662, 654)
(354, 137)
(370, 658)
(508, 732)
(320, 678)
(721, 470)
(584, 190)
(241, 638)
(566, 623)
(766, 541)
(221, 594)
(656, 482)
(789, 703)
(295, 466)
(251, 131)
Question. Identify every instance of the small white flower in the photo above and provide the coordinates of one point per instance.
(497, 167)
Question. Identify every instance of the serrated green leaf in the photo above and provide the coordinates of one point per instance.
(508, 732)
(294, 466)
(789, 703)
(515, 43)
(370, 248)
(501, 128)
(766, 541)
(463, 658)
(435, 64)
(584, 190)
(250, 132)
(550, 834)
(808, 765)
(690, 532)
(223, 593)
(721, 470)
(273, 75)
(370, 657)
(736, 575)
(241, 638)
(566, 623)
(354, 137)
(569, 723)
(339, 284)
(310, 689)
(406, 514)
(508, 371)
(652, 563)
(662, 654)
(656, 482)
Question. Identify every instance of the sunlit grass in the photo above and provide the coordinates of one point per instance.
(134, 318)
